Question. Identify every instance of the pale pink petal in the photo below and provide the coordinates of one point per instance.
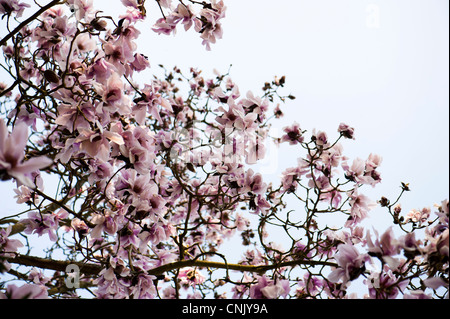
(33, 164)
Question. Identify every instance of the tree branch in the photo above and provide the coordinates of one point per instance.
(58, 265)
(94, 269)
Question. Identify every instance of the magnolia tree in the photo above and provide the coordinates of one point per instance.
(154, 180)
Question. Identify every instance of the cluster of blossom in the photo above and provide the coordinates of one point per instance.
(12, 7)
(152, 183)
(207, 22)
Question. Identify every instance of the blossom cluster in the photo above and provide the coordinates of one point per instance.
(154, 178)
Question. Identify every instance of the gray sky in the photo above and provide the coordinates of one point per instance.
(380, 66)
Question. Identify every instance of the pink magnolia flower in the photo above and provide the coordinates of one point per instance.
(309, 285)
(418, 216)
(38, 223)
(69, 115)
(253, 183)
(293, 134)
(112, 281)
(385, 285)
(346, 131)
(80, 227)
(320, 138)
(156, 233)
(144, 287)
(291, 176)
(260, 205)
(184, 15)
(165, 3)
(373, 161)
(351, 264)
(12, 6)
(101, 70)
(27, 291)
(417, 294)
(437, 244)
(140, 62)
(355, 172)
(165, 26)
(334, 197)
(411, 247)
(38, 277)
(209, 25)
(360, 206)
(269, 289)
(8, 247)
(85, 43)
(97, 143)
(191, 277)
(385, 247)
(12, 164)
(25, 195)
(104, 223)
(150, 102)
(236, 117)
(254, 104)
(83, 9)
(113, 90)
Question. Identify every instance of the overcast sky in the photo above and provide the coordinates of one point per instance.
(380, 66)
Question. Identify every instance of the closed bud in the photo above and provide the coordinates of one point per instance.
(51, 76)
(99, 25)
(384, 202)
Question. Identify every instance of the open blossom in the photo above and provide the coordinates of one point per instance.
(41, 224)
(309, 285)
(417, 294)
(360, 207)
(27, 291)
(236, 116)
(104, 223)
(320, 138)
(164, 26)
(191, 276)
(184, 14)
(346, 131)
(25, 195)
(8, 247)
(8, 7)
(385, 247)
(12, 164)
(418, 216)
(97, 143)
(351, 264)
(140, 62)
(291, 176)
(209, 24)
(144, 287)
(37, 277)
(269, 289)
(293, 134)
(385, 285)
(80, 227)
(83, 9)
